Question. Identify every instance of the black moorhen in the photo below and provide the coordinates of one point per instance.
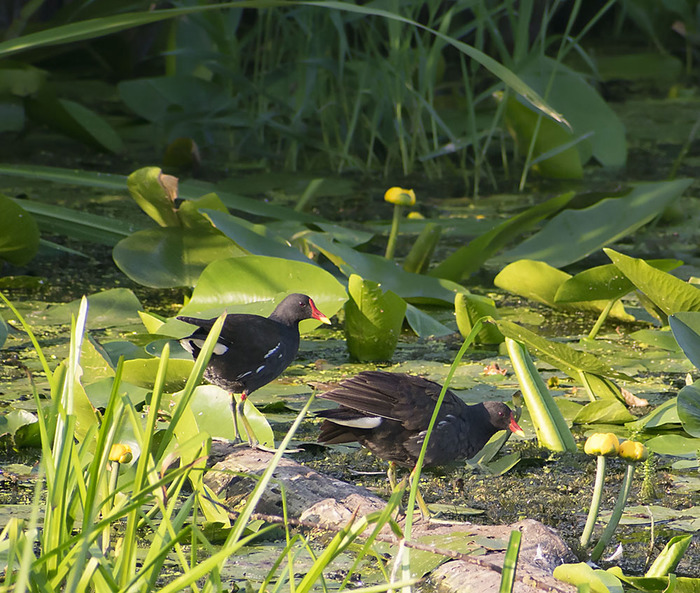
(389, 414)
(252, 350)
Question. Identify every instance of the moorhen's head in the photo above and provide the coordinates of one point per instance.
(501, 417)
(295, 308)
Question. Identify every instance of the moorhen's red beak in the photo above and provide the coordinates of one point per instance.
(316, 314)
(513, 427)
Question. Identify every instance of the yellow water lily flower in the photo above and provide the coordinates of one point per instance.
(120, 453)
(400, 196)
(602, 443)
(633, 451)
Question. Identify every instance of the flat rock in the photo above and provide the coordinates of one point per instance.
(319, 500)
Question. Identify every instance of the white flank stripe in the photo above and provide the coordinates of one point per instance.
(272, 351)
(365, 423)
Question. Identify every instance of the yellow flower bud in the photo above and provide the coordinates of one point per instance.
(120, 453)
(633, 451)
(600, 443)
(400, 196)
(415, 216)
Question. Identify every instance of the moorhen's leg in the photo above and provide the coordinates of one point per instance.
(234, 411)
(419, 499)
(252, 440)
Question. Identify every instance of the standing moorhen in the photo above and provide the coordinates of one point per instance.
(252, 350)
(389, 414)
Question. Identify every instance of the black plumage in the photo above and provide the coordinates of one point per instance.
(252, 350)
(389, 414)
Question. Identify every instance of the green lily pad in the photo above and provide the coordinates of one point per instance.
(686, 329)
(254, 283)
(669, 293)
(610, 411)
(116, 307)
(171, 256)
(373, 320)
(469, 309)
(597, 226)
(689, 408)
(599, 581)
(672, 444)
(19, 233)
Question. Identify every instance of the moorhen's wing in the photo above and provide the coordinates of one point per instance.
(251, 349)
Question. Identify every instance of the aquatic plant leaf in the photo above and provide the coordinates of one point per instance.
(686, 329)
(585, 110)
(669, 293)
(595, 227)
(604, 282)
(116, 307)
(167, 257)
(552, 430)
(469, 308)
(418, 258)
(11, 421)
(470, 257)
(373, 320)
(242, 233)
(689, 408)
(142, 372)
(256, 283)
(600, 581)
(664, 414)
(155, 193)
(659, 338)
(211, 407)
(74, 120)
(425, 325)
(608, 411)
(19, 233)
(673, 444)
(4, 331)
(669, 558)
(416, 287)
(552, 139)
(564, 357)
(540, 282)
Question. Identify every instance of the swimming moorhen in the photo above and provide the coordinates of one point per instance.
(389, 414)
(252, 350)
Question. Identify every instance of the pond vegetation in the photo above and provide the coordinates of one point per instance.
(496, 196)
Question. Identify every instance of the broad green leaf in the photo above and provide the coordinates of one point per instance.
(522, 123)
(664, 414)
(600, 581)
(424, 325)
(20, 79)
(469, 308)
(669, 293)
(658, 338)
(191, 212)
(167, 257)
(211, 407)
(672, 444)
(14, 419)
(392, 277)
(565, 358)
(241, 232)
(99, 392)
(586, 111)
(686, 329)
(469, 258)
(667, 561)
(373, 320)
(74, 120)
(82, 226)
(116, 307)
(604, 282)
(597, 226)
(608, 411)
(4, 331)
(142, 372)
(689, 408)
(254, 283)
(669, 584)
(538, 281)
(551, 428)
(155, 193)
(418, 258)
(19, 233)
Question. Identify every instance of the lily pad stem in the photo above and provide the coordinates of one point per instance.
(595, 501)
(616, 514)
(394, 233)
(601, 319)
